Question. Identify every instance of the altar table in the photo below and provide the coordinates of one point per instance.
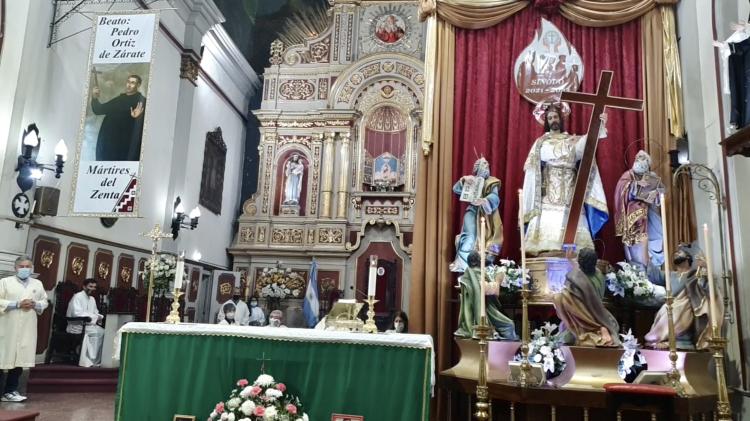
(188, 368)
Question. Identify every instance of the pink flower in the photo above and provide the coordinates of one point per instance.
(220, 407)
(281, 387)
(259, 411)
(255, 391)
(242, 382)
(291, 409)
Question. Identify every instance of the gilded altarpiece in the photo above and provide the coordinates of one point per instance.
(339, 122)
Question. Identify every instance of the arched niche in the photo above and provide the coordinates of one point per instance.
(283, 158)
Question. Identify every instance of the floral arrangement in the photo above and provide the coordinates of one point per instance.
(630, 282)
(545, 349)
(509, 276)
(164, 269)
(279, 283)
(632, 361)
(265, 399)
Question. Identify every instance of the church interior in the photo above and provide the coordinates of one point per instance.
(374, 210)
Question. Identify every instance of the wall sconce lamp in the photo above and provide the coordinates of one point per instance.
(29, 171)
(178, 218)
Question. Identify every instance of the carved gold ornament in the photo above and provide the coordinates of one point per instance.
(48, 257)
(126, 273)
(103, 270)
(77, 265)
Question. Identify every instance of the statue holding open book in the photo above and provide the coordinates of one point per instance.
(482, 193)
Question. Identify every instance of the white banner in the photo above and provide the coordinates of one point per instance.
(114, 117)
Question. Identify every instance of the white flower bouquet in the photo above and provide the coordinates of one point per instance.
(280, 283)
(632, 361)
(265, 399)
(274, 291)
(630, 283)
(164, 270)
(545, 348)
(508, 276)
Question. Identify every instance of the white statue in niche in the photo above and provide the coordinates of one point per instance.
(294, 170)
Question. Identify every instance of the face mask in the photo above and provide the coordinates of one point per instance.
(230, 315)
(275, 322)
(236, 297)
(640, 167)
(253, 304)
(399, 327)
(23, 273)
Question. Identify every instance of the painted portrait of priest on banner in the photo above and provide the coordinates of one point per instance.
(390, 28)
(113, 128)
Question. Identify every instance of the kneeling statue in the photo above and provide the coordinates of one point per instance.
(471, 294)
(585, 320)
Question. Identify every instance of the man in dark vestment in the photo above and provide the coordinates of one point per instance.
(120, 134)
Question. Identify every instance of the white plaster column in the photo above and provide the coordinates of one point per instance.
(327, 187)
(345, 165)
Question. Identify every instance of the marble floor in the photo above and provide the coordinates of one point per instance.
(68, 406)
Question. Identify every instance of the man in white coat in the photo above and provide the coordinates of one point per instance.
(242, 313)
(22, 298)
(83, 304)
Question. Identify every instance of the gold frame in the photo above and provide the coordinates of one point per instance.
(179, 417)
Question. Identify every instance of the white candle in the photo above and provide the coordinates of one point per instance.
(521, 231)
(179, 271)
(372, 282)
(665, 239)
(482, 310)
(711, 287)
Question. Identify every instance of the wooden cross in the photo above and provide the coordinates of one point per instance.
(600, 100)
(263, 360)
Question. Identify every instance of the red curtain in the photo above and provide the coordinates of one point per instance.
(492, 118)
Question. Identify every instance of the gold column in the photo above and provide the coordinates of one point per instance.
(327, 187)
(343, 175)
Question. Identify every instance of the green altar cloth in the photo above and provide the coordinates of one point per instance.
(188, 368)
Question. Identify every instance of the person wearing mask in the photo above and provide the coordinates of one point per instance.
(257, 317)
(22, 299)
(276, 319)
(399, 324)
(228, 314)
(242, 313)
(83, 304)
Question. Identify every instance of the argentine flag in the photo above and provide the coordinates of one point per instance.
(311, 306)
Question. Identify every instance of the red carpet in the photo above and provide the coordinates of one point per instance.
(71, 379)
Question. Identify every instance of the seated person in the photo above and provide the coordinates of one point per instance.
(227, 314)
(241, 312)
(257, 317)
(399, 323)
(579, 306)
(83, 304)
(276, 319)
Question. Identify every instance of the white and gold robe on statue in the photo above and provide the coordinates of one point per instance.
(18, 327)
(548, 186)
(84, 305)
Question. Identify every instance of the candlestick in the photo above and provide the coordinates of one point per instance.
(373, 279)
(665, 236)
(711, 290)
(369, 326)
(174, 315)
(523, 379)
(482, 278)
(179, 271)
(674, 375)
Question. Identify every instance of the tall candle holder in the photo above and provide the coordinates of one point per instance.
(673, 376)
(370, 326)
(524, 375)
(483, 408)
(156, 234)
(717, 344)
(174, 315)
